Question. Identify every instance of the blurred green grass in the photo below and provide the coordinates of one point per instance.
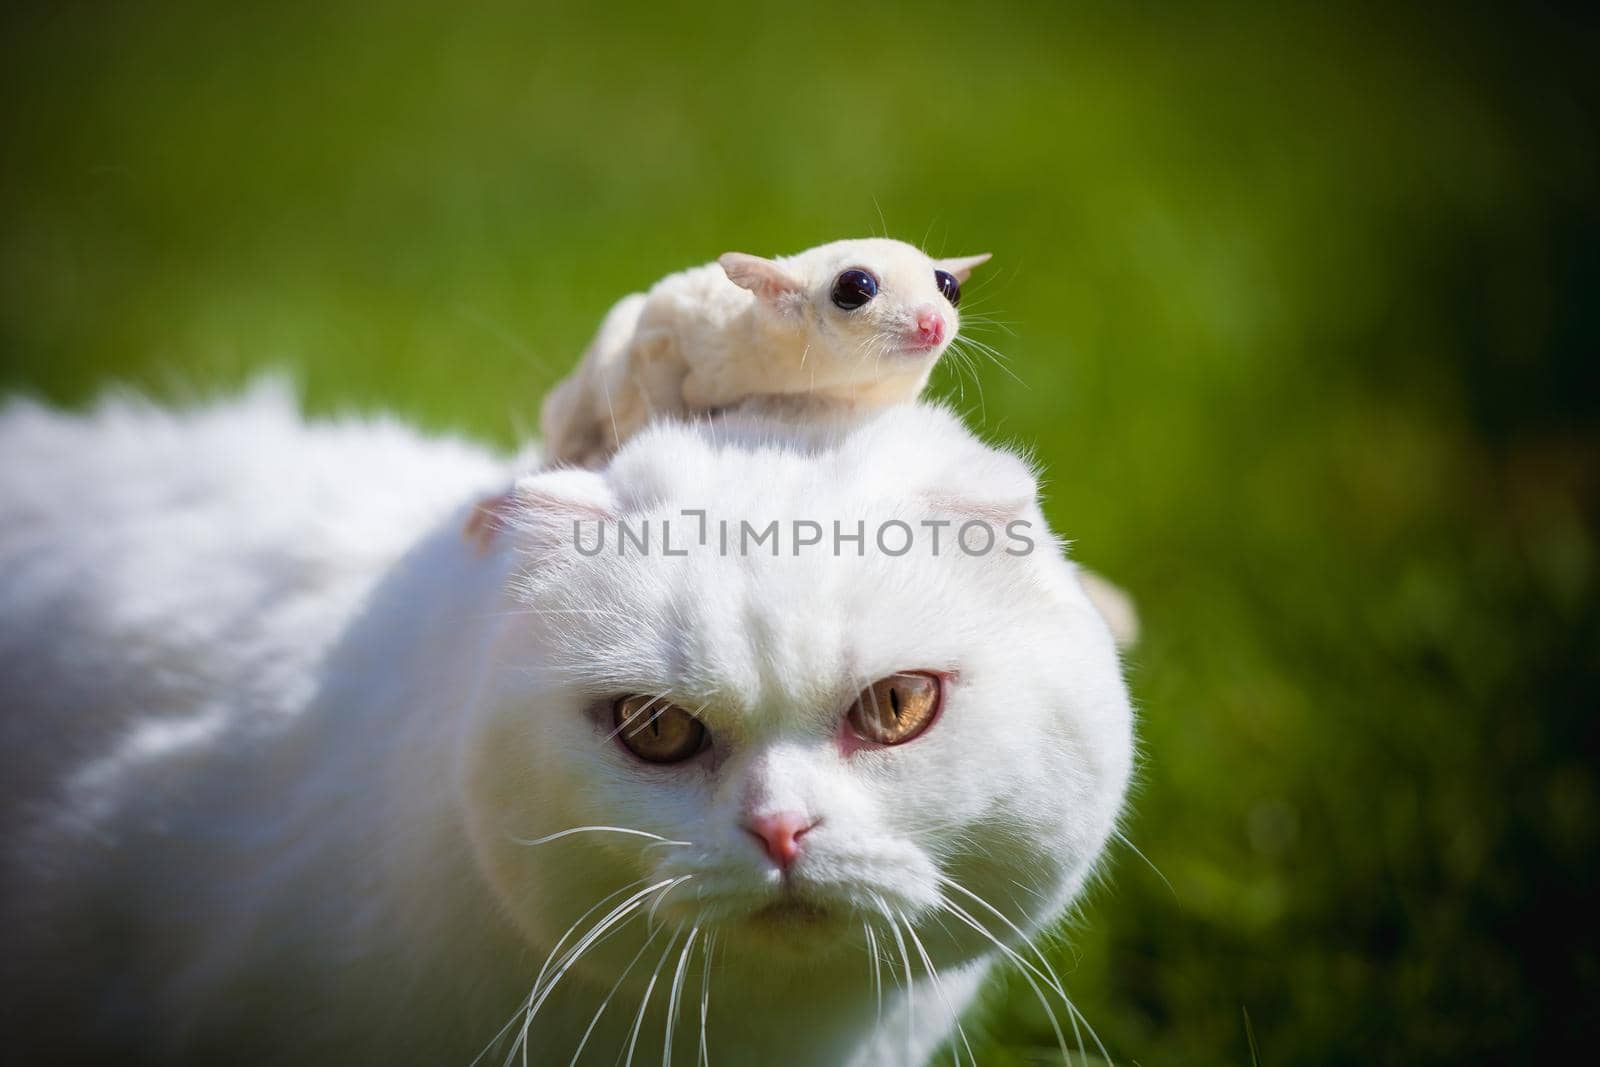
(1301, 307)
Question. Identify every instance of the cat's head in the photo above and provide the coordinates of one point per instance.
(872, 307)
(813, 717)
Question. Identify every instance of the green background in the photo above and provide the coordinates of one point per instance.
(1301, 307)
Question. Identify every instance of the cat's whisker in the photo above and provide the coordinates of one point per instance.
(596, 933)
(602, 612)
(1049, 972)
(704, 1057)
(956, 910)
(662, 711)
(656, 903)
(495, 1040)
(644, 1001)
(938, 988)
(877, 974)
(558, 835)
(889, 958)
(1120, 836)
(526, 1001)
(550, 958)
(675, 996)
(910, 986)
(625, 723)
(604, 1004)
(629, 722)
(623, 911)
(1029, 889)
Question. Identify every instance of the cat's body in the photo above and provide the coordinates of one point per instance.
(712, 336)
(277, 739)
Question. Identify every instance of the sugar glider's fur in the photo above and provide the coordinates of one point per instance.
(743, 327)
(281, 747)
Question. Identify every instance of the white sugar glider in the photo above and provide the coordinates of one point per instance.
(859, 322)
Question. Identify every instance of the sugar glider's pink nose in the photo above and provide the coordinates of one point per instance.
(779, 835)
(930, 326)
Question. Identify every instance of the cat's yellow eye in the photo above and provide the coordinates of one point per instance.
(893, 710)
(658, 731)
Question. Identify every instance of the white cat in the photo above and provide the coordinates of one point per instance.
(296, 776)
(860, 323)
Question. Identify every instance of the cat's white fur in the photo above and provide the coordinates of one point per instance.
(712, 336)
(277, 738)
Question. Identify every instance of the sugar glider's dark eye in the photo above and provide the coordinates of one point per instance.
(657, 731)
(853, 288)
(893, 710)
(948, 286)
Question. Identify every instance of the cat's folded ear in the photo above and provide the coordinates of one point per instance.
(1114, 605)
(762, 277)
(544, 512)
(962, 266)
(986, 484)
(925, 450)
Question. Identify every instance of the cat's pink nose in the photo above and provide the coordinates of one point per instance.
(779, 835)
(930, 327)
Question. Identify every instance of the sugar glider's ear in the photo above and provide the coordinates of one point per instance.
(962, 266)
(541, 511)
(762, 277)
